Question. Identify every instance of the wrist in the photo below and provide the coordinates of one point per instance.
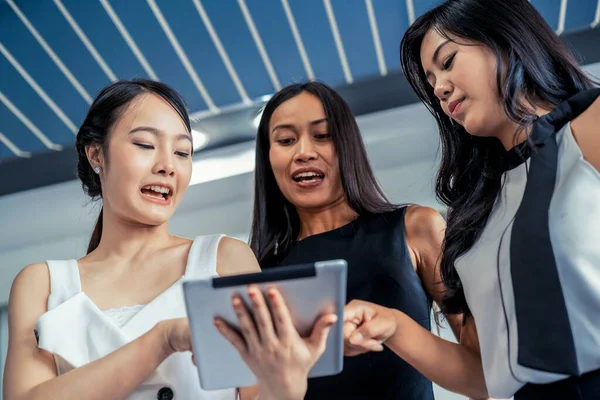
(397, 321)
(265, 394)
(160, 334)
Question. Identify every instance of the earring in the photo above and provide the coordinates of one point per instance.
(97, 170)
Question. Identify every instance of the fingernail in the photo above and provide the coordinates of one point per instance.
(236, 302)
(271, 293)
(217, 323)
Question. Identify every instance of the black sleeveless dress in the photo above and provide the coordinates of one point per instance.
(380, 270)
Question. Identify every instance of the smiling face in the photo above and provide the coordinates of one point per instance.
(302, 154)
(463, 76)
(147, 166)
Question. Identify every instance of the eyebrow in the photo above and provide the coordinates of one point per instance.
(437, 51)
(158, 132)
(291, 126)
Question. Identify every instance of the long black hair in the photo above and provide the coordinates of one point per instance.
(275, 222)
(102, 116)
(538, 70)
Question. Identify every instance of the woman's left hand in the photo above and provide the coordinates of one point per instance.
(271, 346)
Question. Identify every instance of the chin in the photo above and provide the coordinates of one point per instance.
(151, 218)
(154, 222)
(307, 203)
(313, 203)
(476, 128)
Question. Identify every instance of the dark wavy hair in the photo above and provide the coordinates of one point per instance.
(534, 68)
(275, 222)
(102, 116)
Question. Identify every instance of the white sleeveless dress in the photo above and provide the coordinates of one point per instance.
(77, 332)
(485, 270)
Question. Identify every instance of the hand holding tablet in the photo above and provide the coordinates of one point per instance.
(270, 345)
(294, 331)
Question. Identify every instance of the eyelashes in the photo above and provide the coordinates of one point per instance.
(182, 154)
(448, 63)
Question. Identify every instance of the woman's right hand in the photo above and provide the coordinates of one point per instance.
(367, 327)
(270, 344)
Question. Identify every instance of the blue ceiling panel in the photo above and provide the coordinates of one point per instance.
(146, 31)
(32, 106)
(318, 40)
(580, 14)
(550, 10)
(272, 25)
(18, 133)
(422, 6)
(355, 30)
(191, 33)
(32, 57)
(57, 32)
(5, 153)
(230, 25)
(104, 35)
(392, 20)
(215, 82)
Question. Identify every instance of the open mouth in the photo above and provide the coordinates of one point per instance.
(156, 192)
(308, 177)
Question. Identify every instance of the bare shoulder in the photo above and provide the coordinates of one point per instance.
(29, 294)
(32, 281)
(586, 130)
(235, 257)
(425, 228)
(423, 222)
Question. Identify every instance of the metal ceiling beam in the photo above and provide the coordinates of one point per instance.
(365, 96)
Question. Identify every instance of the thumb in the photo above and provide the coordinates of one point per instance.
(319, 334)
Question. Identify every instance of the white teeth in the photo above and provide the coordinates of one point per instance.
(306, 174)
(157, 189)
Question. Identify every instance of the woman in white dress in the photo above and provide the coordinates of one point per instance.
(112, 325)
(519, 123)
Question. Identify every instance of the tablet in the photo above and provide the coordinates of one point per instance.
(310, 290)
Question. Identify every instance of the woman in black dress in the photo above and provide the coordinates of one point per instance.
(316, 198)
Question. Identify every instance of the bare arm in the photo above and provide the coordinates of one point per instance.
(30, 372)
(586, 130)
(425, 229)
(235, 257)
(454, 366)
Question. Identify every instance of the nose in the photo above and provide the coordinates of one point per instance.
(443, 90)
(305, 150)
(164, 164)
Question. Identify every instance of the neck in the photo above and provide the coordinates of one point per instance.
(324, 219)
(126, 240)
(512, 134)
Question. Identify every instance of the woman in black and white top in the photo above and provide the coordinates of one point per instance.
(519, 124)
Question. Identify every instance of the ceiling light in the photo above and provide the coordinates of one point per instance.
(230, 162)
(200, 139)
